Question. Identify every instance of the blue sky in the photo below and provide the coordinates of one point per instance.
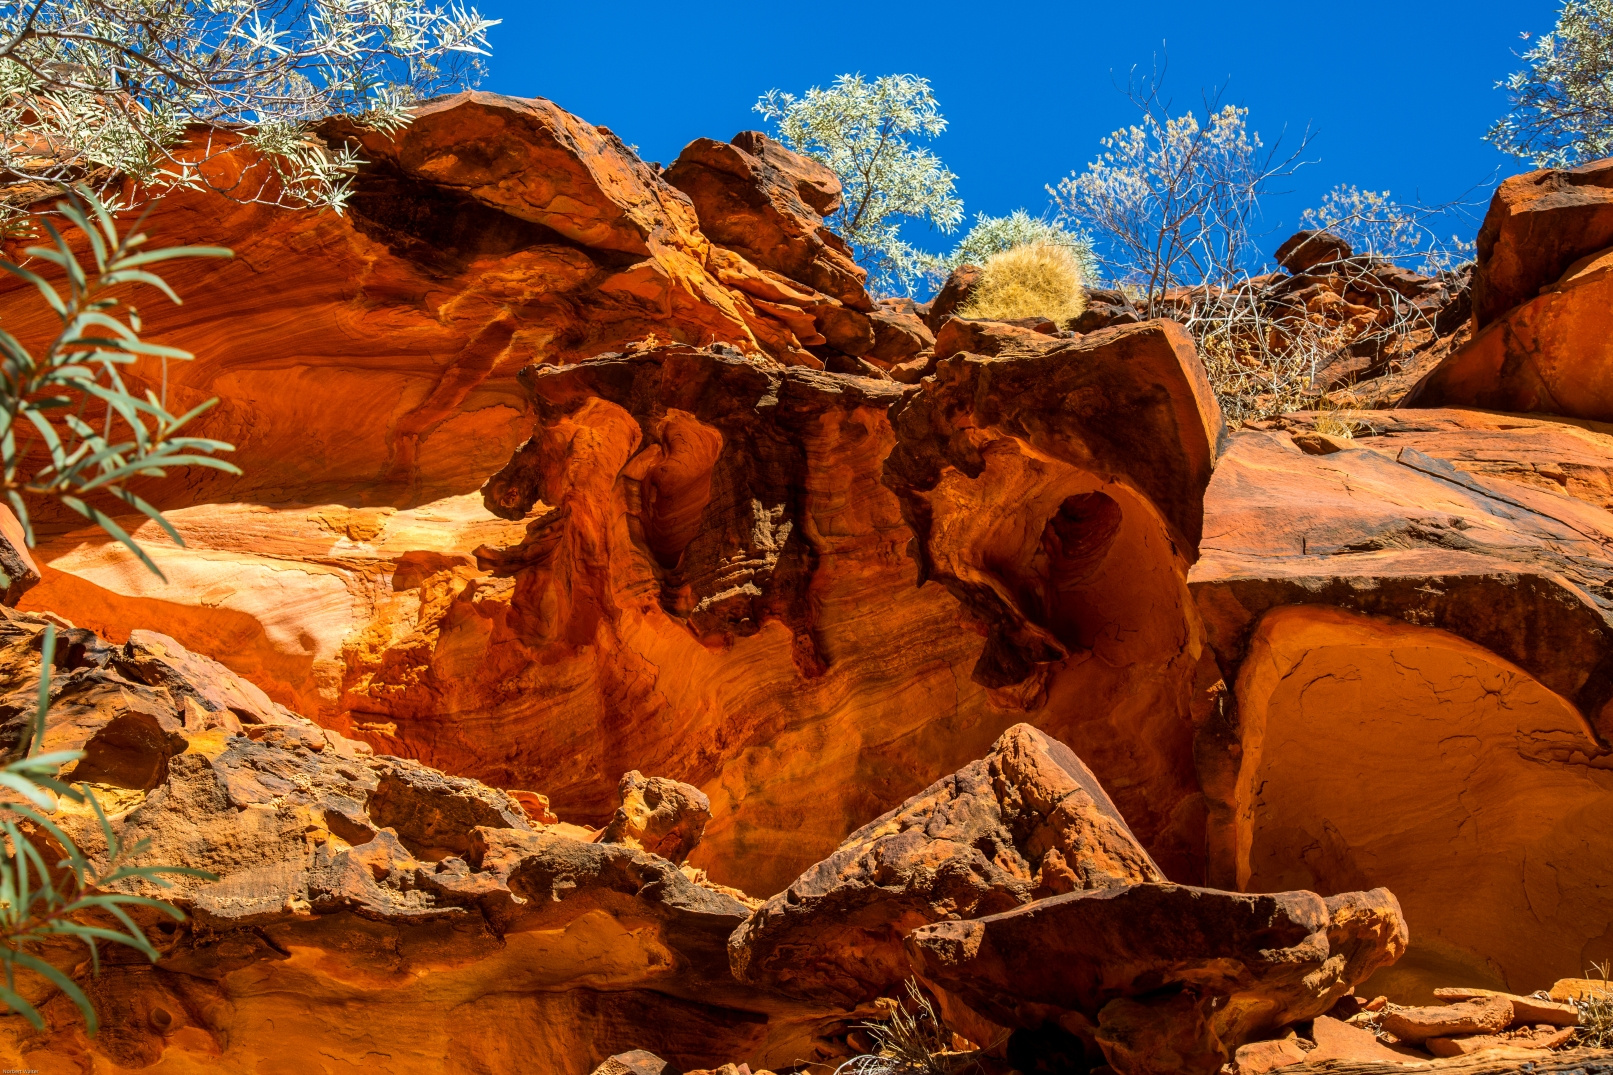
(1398, 92)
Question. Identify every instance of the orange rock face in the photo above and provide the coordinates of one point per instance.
(1541, 294)
(1415, 637)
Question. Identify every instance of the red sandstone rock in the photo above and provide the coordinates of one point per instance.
(1340, 1041)
(752, 203)
(1483, 1015)
(1173, 979)
(1539, 224)
(1259, 1057)
(1423, 572)
(394, 883)
(1526, 1010)
(986, 338)
(1542, 1038)
(1550, 354)
(954, 295)
(1028, 820)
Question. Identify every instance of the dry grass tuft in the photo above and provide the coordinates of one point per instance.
(1596, 1013)
(914, 1042)
(1036, 280)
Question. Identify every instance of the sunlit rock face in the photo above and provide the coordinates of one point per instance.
(1415, 630)
(1542, 289)
(698, 554)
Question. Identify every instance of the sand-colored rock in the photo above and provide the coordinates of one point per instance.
(1416, 638)
(637, 1062)
(1027, 821)
(658, 815)
(1568, 990)
(1164, 977)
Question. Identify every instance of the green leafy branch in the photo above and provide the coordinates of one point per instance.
(38, 902)
(72, 402)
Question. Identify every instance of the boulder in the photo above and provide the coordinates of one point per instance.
(1105, 308)
(1027, 821)
(752, 203)
(986, 338)
(1549, 354)
(1539, 224)
(1165, 978)
(953, 296)
(661, 816)
(900, 334)
(1307, 250)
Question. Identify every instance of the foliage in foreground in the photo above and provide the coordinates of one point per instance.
(71, 428)
(72, 898)
(1562, 104)
(865, 131)
(1035, 280)
(914, 1042)
(102, 89)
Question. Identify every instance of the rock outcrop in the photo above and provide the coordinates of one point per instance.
(1027, 821)
(1428, 602)
(1542, 288)
(1165, 979)
(348, 880)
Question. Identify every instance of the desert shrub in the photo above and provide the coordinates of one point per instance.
(1035, 280)
(101, 89)
(73, 430)
(1378, 227)
(1172, 200)
(992, 235)
(1562, 105)
(863, 131)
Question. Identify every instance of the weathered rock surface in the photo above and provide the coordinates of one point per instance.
(1165, 978)
(702, 573)
(1539, 224)
(1541, 291)
(348, 881)
(658, 815)
(1027, 821)
(1431, 604)
(1480, 1015)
